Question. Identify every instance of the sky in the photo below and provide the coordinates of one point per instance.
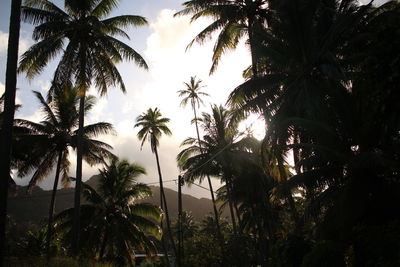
(162, 43)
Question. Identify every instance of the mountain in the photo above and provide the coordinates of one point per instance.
(34, 208)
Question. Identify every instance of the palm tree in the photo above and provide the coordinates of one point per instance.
(215, 154)
(7, 123)
(86, 38)
(153, 125)
(304, 79)
(114, 223)
(192, 93)
(52, 139)
(233, 20)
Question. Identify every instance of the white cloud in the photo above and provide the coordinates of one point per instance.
(35, 117)
(44, 85)
(17, 98)
(23, 44)
(170, 66)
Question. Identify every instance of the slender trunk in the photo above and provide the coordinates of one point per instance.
(180, 232)
(216, 215)
(52, 204)
(8, 119)
(78, 183)
(165, 202)
(262, 240)
(237, 216)
(252, 47)
(229, 193)
(163, 241)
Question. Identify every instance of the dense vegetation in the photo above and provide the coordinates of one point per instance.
(322, 188)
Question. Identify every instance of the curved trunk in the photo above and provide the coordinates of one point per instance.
(164, 200)
(78, 183)
(52, 204)
(9, 109)
(216, 215)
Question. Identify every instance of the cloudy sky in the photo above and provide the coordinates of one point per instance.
(162, 43)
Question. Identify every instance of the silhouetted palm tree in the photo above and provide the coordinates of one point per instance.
(90, 52)
(233, 20)
(114, 224)
(152, 126)
(193, 94)
(215, 154)
(52, 138)
(8, 120)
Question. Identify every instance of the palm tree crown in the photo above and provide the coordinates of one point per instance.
(233, 19)
(86, 38)
(153, 125)
(192, 92)
(57, 132)
(114, 223)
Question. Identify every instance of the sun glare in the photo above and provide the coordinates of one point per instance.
(255, 125)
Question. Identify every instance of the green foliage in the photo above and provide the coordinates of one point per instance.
(114, 224)
(202, 250)
(57, 133)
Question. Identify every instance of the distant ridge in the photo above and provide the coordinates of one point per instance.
(34, 208)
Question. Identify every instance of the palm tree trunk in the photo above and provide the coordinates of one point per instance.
(78, 184)
(52, 204)
(165, 202)
(216, 215)
(250, 29)
(163, 241)
(8, 119)
(229, 193)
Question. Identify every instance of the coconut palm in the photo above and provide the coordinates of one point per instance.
(52, 138)
(215, 154)
(86, 38)
(193, 94)
(233, 20)
(152, 126)
(305, 77)
(7, 123)
(114, 223)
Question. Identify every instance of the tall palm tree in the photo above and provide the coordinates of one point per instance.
(153, 125)
(7, 123)
(233, 19)
(192, 93)
(215, 154)
(115, 224)
(52, 139)
(86, 38)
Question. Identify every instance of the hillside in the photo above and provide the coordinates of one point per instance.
(34, 208)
